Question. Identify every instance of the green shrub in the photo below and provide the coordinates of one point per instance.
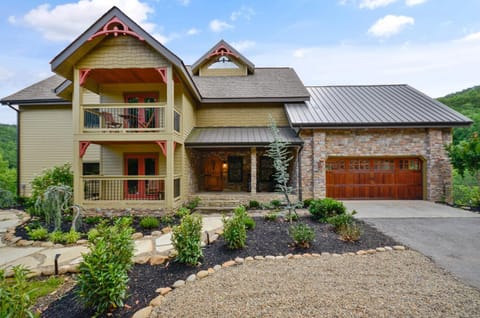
(93, 234)
(71, 237)
(54, 202)
(291, 218)
(93, 219)
(341, 219)
(181, 212)
(58, 175)
(253, 204)
(192, 204)
(350, 232)
(276, 203)
(464, 195)
(234, 232)
(56, 237)
(149, 222)
(271, 216)
(187, 239)
(7, 199)
(325, 208)
(302, 235)
(15, 298)
(103, 277)
(38, 234)
(307, 202)
(241, 212)
(167, 219)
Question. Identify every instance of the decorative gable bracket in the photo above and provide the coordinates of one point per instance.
(222, 50)
(116, 27)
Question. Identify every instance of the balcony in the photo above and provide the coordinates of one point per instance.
(125, 118)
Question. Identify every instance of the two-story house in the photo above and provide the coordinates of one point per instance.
(144, 130)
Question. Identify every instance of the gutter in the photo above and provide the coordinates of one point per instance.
(18, 146)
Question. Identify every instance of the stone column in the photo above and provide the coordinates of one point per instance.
(306, 158)
(319, 156)
(439, 170)
(253, 170)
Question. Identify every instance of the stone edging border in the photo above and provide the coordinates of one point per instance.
(157, 301)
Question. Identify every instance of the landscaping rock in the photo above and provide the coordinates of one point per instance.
(336, 255)
(202, 274)
(166, 230)
(137, 235)
(380, 249)
(361, 252)
(158, 259)
(217, 268)
(315, 255)
(82, 241)
(228, 263)
(248, 259)
(191, 278)
(210, 270)
(47, 244)
(15, 239)
(307, 255)
(259, 258)
(24, 243)
(157, 301)
(371, 251)
(141, 259)
(279, 257)
(325, 254)
(270, 257)
(164, 290)
(399, 248)
(49, 271)
(37, 244)
(157, 233)
(388, 248)
(297, 256)
(239, 260)
(143, 313)
(178, 283)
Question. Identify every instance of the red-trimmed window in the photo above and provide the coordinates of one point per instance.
(143, 164)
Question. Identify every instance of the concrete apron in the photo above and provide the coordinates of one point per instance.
(405, 209)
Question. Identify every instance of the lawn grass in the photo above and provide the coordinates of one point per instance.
(44, 287)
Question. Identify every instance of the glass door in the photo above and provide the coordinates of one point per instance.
(141, 165)
(141, 117)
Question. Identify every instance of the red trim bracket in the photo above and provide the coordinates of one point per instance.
(163, 145)
(84, 72)
(163, 73)
(83, 147)
(116, 27)
(222, 50)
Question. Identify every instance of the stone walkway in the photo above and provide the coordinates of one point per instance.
(154, 248)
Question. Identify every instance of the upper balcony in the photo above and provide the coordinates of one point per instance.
(126, 118)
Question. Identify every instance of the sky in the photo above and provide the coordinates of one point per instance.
(432, 45)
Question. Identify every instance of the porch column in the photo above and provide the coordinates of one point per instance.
(76, 120)
(319, 157)
(253, 170)
(170, 149)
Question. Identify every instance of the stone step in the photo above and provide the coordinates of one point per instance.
(214, 209)
(218, 203)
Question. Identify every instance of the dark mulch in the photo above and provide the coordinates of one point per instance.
(268, 238)
(21, 230)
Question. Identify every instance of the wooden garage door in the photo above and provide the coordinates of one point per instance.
(374, 178)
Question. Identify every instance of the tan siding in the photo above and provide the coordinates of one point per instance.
(122, 52)
(46, 140)
(92, 154)
(112, 157)
(90, 97)
(114, 93)
(188, 115)
(241, 71)
(240, 115)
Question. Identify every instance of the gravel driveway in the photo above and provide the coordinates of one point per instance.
(389, 284)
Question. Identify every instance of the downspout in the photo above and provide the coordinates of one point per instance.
(18, 147)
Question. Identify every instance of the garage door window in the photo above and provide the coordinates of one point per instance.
(359, 165)
(410, 164)
(384, 165)
(335, 165)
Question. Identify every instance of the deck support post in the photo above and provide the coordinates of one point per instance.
(170, 155)
(253, 170)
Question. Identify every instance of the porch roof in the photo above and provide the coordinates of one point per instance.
(202, 137)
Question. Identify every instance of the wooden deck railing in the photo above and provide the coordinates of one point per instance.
(148, 117)
(121, 188)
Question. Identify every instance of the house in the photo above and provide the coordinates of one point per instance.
(144, 130)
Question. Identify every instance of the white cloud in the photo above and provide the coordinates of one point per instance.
(219, 26)
(373, 4)
(184, 3)
(300, 53)
(66, 21)
(471, 37)
(390, 25)
(12, 19)
(244, 12)
(412, 3)
(193, 31)
(243, 45)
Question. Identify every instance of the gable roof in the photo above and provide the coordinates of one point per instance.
(371, 106)
(204, 137)
(222, 44)
(266, 84)
(61, 64)
(39, 93)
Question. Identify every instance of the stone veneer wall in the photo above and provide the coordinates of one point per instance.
(425, 143)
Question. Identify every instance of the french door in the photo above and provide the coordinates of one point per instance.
(141, 165)
(141, 117)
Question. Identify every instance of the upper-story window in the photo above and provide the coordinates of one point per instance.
(223, 62)
(141, 117)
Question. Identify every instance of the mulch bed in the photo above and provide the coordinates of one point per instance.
(268, 238)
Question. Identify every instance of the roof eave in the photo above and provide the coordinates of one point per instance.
(35, 102)
(380, 125)
(233, 144)
(207, 100)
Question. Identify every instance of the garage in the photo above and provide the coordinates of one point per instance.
(375, 178)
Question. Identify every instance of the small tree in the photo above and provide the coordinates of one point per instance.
(465, 156)
(280, 154)
(53, 203)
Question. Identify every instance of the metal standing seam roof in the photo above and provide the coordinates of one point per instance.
(40, 92)
(371, 105)
(270, 83)
(237, 136)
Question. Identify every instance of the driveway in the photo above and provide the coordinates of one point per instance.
(449, 236)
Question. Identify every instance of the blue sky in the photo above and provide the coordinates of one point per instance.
(433, 45)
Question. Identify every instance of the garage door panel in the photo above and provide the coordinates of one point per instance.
(374, 178)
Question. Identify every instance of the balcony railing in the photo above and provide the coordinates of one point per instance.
(120, 188)
(148, 117)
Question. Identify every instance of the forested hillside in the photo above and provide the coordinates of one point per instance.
(466, 102)
(8, 144)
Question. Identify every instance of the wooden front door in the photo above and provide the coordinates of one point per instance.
(141, 165)
(213, 174)
(374, 178)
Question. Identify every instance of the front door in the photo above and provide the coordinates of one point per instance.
(141, 165)
(213, 174)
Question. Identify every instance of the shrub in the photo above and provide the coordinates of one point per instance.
(93, 219)
(53, 203)
(291, 218)
(302, 235)
(187, 239)
(241, 212)
(71, 237)
(182, 212)
(464, 195)
(276, 203)
(341, 219)
(38, 234)
(93, 234)
(271, 216)
(325, 208)
(7, 199)
(350, 232)
(149, 222)
(253, 204)
(56, 237)
(167, 219)
(192, 204)
(58, 175)
(103, 277)
(15, 298)
(234, 232)
(307, 202)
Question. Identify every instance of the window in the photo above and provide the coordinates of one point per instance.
(223, 62)
(335, 165)
(384, 165)
(176, 188)
(176, 121)
(235, 169)
(91, 168)
(266, 169)
(359, 165)
(409, 164)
